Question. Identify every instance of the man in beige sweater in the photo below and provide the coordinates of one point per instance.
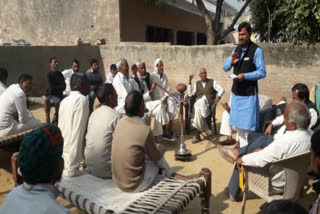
(136, 158)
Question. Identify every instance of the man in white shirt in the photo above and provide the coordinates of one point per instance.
(73, 118)
(3, 80)
(112, 73)
(170, 104)
(41, 165)
(14, 114)
(300, 92)
(295, 141)
(142, 82)
(75, 67)
(101, 126)
(208, 93)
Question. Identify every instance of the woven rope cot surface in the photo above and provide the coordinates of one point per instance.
(95, 195)
(11, 139)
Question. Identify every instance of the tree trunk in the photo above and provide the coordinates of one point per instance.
(269, 24)
(234, 21)
(208, 20)
(216, 23)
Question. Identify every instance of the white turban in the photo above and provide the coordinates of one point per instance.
(155, 64)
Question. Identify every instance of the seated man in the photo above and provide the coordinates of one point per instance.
(3, 80)
(112, 73)
(123, 85)
(158, 76)
(294, 141)
(96, 81)
(56, 86)
(301, 93)
(41, 165)
(208, 93)
(14, 114)
(315, 162)
(75, 67)
(73, 118)
(101, 126)
(136, 158)
(142, 82)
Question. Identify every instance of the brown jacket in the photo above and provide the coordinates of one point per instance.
(208, 91)
(132, 140)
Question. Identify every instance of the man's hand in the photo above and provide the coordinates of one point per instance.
(234, 58)
(241, 77)
(257, 150)
(226, 107)
(153, 86)
(268, 129)
(190, 78)
(217, 99)
(239, 162)
(165, 103)
(146, 110)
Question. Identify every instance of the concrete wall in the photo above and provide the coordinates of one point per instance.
(35, 61)
(286, 64)
(59, 22)
(136, 16)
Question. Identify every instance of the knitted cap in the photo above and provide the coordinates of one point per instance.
(40, 154)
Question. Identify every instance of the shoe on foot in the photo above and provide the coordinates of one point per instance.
(196, 138)
(237, 198)
(225, 155)
(227, 142)
(169, 137)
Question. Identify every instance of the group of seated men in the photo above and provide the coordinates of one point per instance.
(116, 141)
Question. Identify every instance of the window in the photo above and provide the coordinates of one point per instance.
(185, 38)
(201, 39)
(158, 34)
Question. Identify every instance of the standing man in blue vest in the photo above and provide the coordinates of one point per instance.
(247, 61)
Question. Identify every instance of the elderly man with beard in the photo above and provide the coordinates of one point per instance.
(142, 82)
(158, 76)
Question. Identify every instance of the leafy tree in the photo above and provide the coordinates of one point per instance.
(293, 21)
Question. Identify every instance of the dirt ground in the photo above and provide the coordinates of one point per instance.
(204, 155)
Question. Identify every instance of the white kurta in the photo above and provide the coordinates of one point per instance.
(110, 78)
(13, 101)
(156, 109)
(288, 145)
(67, 77)
(73, 118)
(2, 88)
(123, 86)
(159, 94)
(40, 199)
(201, 106)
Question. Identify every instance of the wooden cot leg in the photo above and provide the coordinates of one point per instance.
(205, 192)
(47, 109)
(14, 169)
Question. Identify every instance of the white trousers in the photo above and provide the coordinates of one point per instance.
(151, 171)
(17, 127)
(225, 127)
(242, 137)
(201, 111)
(157, 111)
(172, 108)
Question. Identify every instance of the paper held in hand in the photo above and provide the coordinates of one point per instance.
(232, 76)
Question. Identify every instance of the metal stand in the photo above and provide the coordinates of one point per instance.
(182, 153)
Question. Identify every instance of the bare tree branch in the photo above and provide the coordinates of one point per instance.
(234, 21)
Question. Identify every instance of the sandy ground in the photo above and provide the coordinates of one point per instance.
(204, 155)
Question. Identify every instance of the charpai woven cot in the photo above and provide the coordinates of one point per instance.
(102, 196)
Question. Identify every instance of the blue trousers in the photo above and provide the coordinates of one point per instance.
(256, 140)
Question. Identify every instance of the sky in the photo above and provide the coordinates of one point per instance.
(235, 3)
